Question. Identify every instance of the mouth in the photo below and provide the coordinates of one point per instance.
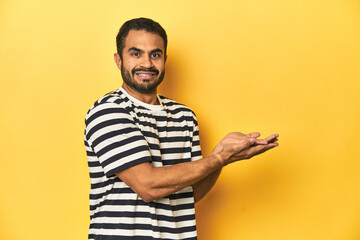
(145, 74)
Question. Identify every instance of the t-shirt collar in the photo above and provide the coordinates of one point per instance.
(146, 105)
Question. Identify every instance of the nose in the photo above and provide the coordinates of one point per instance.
(146, 62)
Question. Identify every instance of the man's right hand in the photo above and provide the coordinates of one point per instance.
(238, 146)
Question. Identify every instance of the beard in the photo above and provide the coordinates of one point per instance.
(145, 86)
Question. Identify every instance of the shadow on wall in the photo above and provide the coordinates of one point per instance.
(173, 87)
(234, 201)
(242, 192)
(170, 85)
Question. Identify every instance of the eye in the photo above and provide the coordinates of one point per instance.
(155, 55)
(135, 54)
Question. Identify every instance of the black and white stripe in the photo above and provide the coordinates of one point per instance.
(122, 132)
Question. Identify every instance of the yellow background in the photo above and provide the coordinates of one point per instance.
(290, 67)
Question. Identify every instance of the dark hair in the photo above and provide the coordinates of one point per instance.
(139, 24)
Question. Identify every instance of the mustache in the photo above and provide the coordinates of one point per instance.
(154, 70)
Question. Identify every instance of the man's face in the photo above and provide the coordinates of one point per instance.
(143, 61)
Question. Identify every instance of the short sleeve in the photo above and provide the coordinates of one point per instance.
(115, 138)
(195, 145)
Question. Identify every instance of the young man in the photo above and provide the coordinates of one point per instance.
(143, 149)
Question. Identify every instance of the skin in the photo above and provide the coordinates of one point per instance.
(144, 50)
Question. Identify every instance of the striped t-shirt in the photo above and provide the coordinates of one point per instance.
(122, 132)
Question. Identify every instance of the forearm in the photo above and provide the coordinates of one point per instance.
(157, 182)
(202, 187)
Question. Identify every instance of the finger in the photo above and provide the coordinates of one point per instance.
(256, 150)
(261, 142)
(275, 144)
(253, 135)
(252, 151)
(272, 138)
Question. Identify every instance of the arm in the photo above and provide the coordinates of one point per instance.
(202, 187)
(152, 183)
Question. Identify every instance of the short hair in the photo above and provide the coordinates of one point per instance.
(139, 24)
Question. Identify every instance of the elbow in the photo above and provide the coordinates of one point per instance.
(147, 199)
(143, 185)
(148, 195)
(147, 192)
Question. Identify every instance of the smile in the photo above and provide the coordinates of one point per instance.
(145, 75)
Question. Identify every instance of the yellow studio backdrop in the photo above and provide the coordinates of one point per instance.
(287, 67)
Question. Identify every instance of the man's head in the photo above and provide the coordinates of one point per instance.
(141, 46)
(138, 24)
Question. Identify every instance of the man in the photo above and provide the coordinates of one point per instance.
(143, 149)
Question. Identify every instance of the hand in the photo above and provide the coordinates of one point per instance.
(261, 145)
(238, 146)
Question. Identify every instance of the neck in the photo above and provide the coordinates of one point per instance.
(149, 98)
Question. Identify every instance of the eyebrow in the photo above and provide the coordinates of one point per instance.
(140, 50)
(135, 49)
(156, 50)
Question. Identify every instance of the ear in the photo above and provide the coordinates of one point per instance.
(117, 59)
(165, 58)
